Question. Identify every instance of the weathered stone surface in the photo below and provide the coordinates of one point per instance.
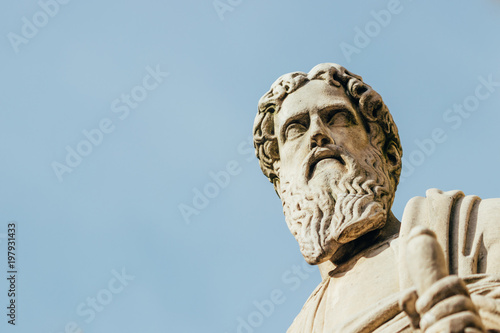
(330, 147)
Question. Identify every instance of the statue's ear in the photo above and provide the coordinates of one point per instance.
(276, 177)
(393, 155)
(276, 183)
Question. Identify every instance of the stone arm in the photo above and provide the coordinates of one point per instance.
(443, 303)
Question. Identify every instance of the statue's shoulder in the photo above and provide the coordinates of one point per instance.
(466, 226)
(488, 225)
(455, 205)
(488, 220)
(490, 207)
(436, 204)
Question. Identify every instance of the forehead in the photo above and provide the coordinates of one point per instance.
(315, 95)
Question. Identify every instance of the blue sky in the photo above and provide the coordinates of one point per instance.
(167, 91)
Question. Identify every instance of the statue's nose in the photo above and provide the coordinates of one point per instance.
(319, 138)
(319, 133)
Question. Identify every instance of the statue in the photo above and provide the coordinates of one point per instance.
(329, 145)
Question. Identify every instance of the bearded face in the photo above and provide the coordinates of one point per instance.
(330, 209)
(334, 183)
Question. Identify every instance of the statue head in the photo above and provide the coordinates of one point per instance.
(329, 145)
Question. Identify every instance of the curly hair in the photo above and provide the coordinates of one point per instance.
(381, 127)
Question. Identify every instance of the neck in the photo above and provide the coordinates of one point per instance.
(349, 250)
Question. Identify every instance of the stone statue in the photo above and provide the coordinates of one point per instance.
(329, 145)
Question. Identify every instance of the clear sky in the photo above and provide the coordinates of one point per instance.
(116, 115)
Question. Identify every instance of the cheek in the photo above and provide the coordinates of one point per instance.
(352, 138)
(293, 153)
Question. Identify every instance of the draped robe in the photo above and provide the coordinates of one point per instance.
(362, 295)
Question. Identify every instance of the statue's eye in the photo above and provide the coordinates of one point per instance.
(294, 130)
(342, 118)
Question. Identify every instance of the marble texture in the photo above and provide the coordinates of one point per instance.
(327, 142)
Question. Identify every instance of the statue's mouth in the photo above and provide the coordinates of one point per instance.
(320, 154)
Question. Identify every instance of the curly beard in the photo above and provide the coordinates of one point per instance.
(325, 212)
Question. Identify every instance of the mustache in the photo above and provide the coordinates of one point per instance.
(320, 153)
